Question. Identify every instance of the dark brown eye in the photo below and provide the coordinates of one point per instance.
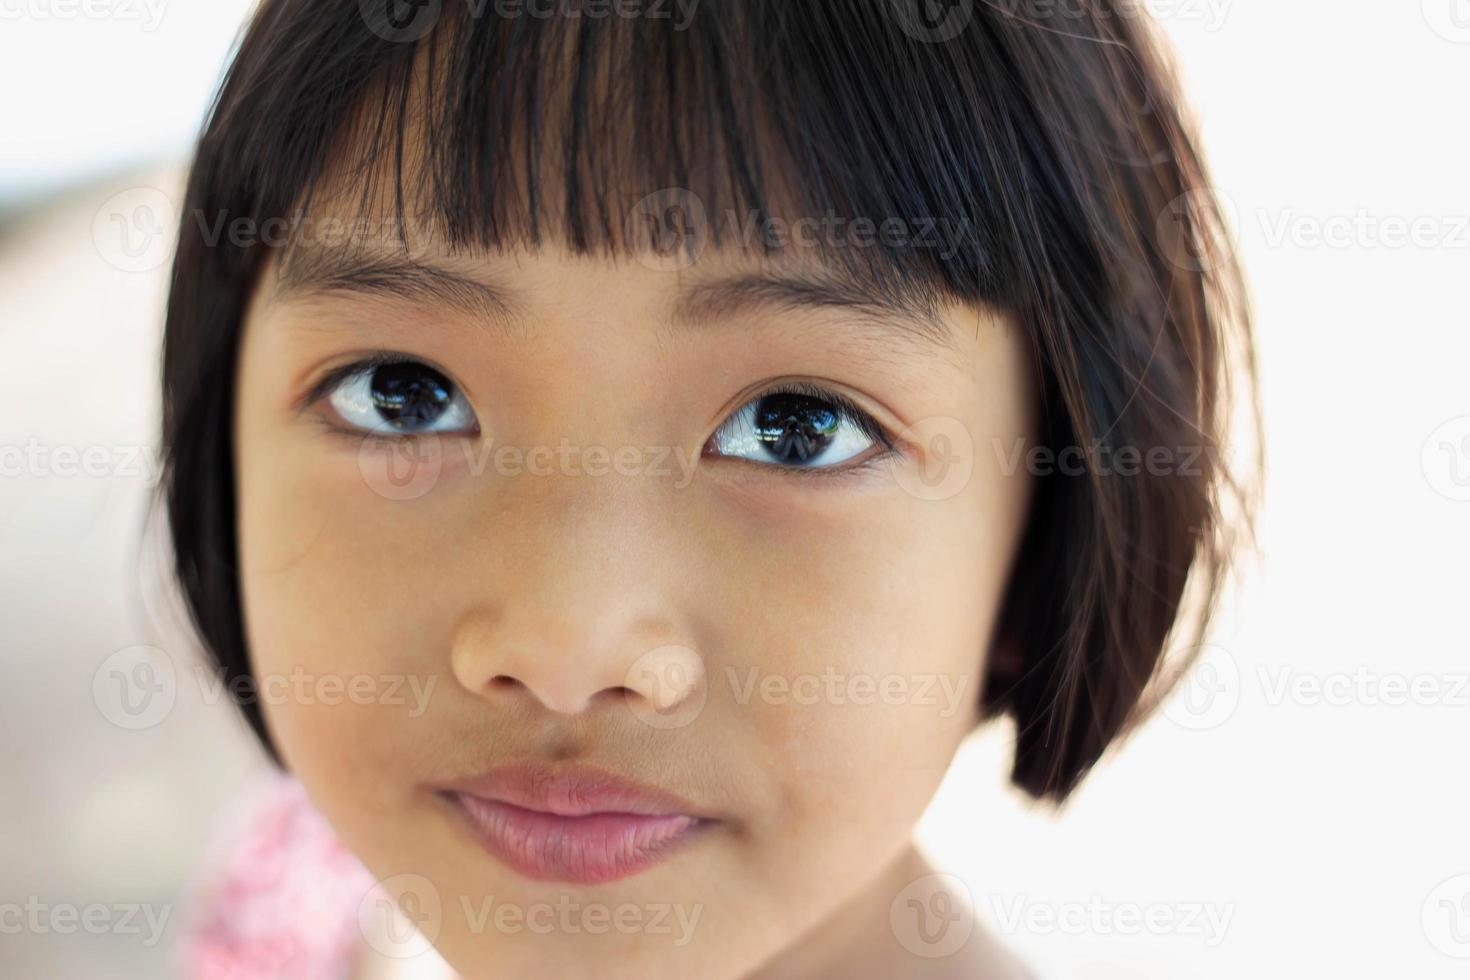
(800, 429)
(403, 397)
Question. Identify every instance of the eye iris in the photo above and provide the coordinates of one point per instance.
(410, 395)
(795, 428)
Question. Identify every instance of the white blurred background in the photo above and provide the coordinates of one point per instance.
(1300, 808)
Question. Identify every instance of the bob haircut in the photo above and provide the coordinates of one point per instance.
(1050, 156)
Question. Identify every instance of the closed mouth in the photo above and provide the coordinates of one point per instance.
(584, 826)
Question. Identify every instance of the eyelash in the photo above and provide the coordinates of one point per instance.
(337, 375)
(848, 409)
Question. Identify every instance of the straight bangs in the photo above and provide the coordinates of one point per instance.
(756, 126)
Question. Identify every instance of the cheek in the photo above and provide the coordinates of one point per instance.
(855, 652)
(337, 587)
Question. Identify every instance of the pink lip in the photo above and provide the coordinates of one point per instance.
(577, 825)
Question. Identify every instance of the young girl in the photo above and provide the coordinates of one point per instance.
(619, 450)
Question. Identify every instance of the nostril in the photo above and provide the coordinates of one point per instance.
(504, 680)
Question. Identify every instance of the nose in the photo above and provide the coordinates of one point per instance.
(567, 671)
(575, 608)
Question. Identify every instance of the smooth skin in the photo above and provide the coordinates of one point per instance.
(775, 646)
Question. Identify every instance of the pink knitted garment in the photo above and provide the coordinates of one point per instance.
(277, 898)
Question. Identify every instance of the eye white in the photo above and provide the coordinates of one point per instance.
(737, 437)
(352, 399)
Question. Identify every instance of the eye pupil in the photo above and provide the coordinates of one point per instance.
(409, 395)
(795, 428)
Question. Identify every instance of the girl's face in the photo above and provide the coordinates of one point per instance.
(611, 549)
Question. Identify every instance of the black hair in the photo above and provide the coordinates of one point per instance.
(1046, 156)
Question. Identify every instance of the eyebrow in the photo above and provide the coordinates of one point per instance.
(395, 277)
(911, 316)
(701, 305)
